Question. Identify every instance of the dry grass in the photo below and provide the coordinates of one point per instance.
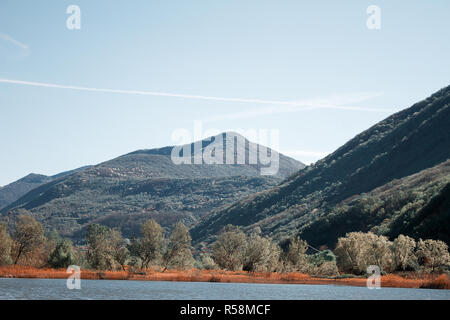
(441, 282)
(195, 275)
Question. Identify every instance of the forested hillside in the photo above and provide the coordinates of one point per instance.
(405, 143)
(144, 184)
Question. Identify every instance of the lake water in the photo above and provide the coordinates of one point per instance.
(154, 290)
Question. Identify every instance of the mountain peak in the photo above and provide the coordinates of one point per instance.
(33, 178)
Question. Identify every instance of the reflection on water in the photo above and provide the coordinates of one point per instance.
(119, 289)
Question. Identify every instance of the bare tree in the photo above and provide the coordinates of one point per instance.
(28, 236)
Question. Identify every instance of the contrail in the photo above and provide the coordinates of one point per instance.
(147, 93)
(13, 41)
(304, 105)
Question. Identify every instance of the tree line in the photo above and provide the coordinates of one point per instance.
(106, 249)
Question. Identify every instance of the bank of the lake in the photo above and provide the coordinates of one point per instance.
(392, 280)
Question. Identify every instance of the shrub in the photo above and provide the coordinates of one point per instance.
(229, 248)
(63, 255)
(433, 254)
(5, 246)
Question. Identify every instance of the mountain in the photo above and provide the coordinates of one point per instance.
(417, 205)
(126, 190)
(15, 190)
(405, 143)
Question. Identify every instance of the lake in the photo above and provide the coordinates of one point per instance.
(153, 290)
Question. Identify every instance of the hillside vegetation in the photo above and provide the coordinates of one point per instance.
(13, 191)
(125, 191)
(405, 143)
(417, 205)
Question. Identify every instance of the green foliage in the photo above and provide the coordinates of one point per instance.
(145, 183)
(321, 257)
(229, 249)
(357, 251)
(125, 202)
(106, 248)
(402, 145)
(150, 246)
(17, 189)
(433, 254)
(262, 255)
(63, 255)
(206, 262)
(178, 254)
(416, 205)
(403, 252)
(295, 258)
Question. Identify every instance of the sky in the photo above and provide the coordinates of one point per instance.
(312, 70)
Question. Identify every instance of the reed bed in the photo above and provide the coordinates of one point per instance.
(195, 275)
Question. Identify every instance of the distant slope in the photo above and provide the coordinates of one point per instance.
(403, 144)
(142, 184)
(417, 205)
(15, 190)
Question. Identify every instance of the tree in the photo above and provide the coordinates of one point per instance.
(378, 252)
(229, 248)
(119, 247)
(206, 262)
(5, 246)
(403, 251)
(149, 247)
(178, 254)
(433, 254)
(28, 236)
(261, 254)
(295, 258)
(63, 255)
(323, 263)
(103, 246)
(348, 252)
(357, 250)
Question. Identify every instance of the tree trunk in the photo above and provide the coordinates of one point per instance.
(19, 253)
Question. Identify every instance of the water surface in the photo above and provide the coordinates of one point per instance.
(154, 290)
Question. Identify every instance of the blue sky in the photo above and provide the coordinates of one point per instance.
(312, 53)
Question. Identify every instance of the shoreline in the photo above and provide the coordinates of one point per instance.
(391, 280)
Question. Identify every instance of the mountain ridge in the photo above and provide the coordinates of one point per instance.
(131, 184)
(405, 143)
(14, 190)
